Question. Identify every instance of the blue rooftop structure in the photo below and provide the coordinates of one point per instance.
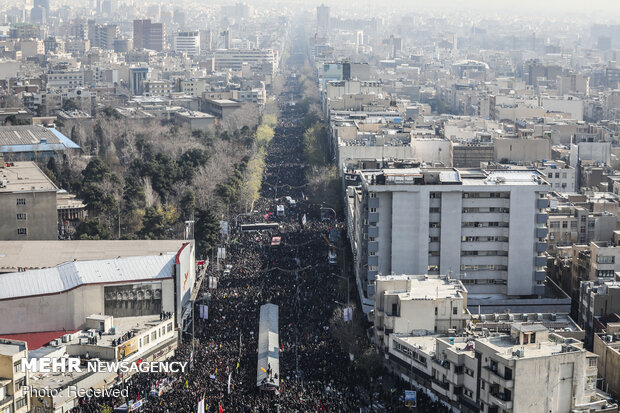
(31, 142)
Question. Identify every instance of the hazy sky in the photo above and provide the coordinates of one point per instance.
(610, 7)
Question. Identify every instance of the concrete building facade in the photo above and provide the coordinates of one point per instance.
(27, 203)
(13, 398)
(486, 228)
(528, 370)
(400, 299)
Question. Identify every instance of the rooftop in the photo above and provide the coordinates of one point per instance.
(426, 344)
(30, 138)
(70, 275)
(24, 177)
(20, 255)
(423, 287)
(506, 347)
(36, 340)
(454, 176)
(11, 347)
(193, 114)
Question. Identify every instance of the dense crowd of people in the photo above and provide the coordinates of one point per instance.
(315, 373)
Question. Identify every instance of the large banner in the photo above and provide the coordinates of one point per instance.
(127, 348)
(132, 300)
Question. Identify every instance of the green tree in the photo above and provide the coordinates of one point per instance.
(188, 204)
(92, 229)
(95, 171)
(153, 224)
(133, 194)
(69, 105)
(206, 231)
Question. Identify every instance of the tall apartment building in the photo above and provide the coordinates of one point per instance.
(400, 299)
(607, 347)
(486, 228)
(13, 398)
(103, 36)
(597, 299)
(147, 35)
(65, 79)
(137, 76)
(570, 224)
(261, 61)
(528, 370)
(322, 20)
(187, 42)
(27, 203)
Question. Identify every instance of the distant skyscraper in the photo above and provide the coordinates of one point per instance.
(43, 3)
(109, 7)
(227, 38)
(147, 35)
(179, 17)
(137, 76)
(38, 15)
(206, 40)
(187, 42)
(104, 35)
(322, 20)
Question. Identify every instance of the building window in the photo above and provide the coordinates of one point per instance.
(17, 366)
(19, 384)
(169, 327)
(22, 231)
(454, 310)
(373, 209)
(21, 217)
(21, 403)
(154, 335)
(592, 362)
(21, 201)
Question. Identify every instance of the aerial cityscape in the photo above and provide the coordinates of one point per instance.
(293, 206)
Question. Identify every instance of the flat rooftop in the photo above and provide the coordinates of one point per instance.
(24, 177)
(195, 115)
(9, 348)
(454, 176)
(426, 287)
(425, 343)
(504, 346)
(26, 135)
(123, 325)
(16, 255)
(503, 321)
(31, 138)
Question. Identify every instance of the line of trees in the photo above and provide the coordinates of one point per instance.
(142, 181)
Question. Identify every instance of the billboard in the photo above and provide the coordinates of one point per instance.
(131, 300)
(185, 275)
(127, 348)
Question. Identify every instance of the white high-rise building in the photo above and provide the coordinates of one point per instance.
(486, 228)
(187, 42)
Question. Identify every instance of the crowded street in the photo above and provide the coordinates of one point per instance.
(316, 374)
